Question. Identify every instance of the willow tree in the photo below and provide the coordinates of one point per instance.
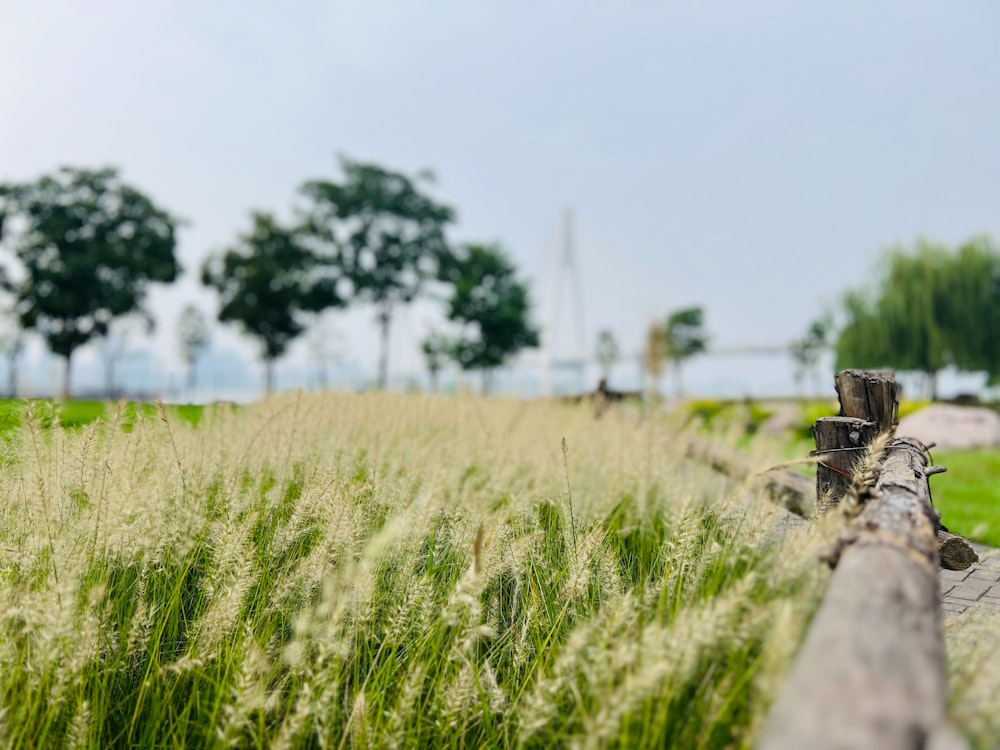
(973, 286)
(926, 309)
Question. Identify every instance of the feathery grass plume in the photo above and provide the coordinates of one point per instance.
(79, 734)
(864, 475)
(867, 469)
(385, 570)
(973, 645)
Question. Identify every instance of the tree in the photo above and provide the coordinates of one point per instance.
(325, 349)
(383, 233)
(435, 348)
(906, 319)
(12, 337)
(90, 245)
(490, 304)
(193, 339)
(113, 346)
(652, 359)
(607, 352)
(684, 336)
(807, 350)
(267, 284)
(972, 287)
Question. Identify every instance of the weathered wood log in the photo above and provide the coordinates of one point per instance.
(955, 552)
(794, 492)
(786, 488)
(869, 395)
(840, 444)
(870, 673)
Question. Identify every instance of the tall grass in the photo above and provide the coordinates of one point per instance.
(375, 570)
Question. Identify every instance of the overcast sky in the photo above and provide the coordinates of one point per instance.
(752, 157)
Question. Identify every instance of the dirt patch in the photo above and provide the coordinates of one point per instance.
(953, 427)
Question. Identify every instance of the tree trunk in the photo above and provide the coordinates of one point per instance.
(269, 376)
(67, 374)
(12, 357)
(384, 318)
(109, 378)
(192, 378)
(487, 381)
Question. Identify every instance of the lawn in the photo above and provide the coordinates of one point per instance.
(78, 413)
(968, 495)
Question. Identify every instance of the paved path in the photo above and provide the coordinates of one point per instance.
(977, 586)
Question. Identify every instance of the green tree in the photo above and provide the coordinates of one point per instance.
(383, 232)
(89, 245)
(807, 350)
(972, 286)
(12, 340)
(906, 319)
(193, 339)
(652, 361)
(491, 305)
(435, 348)
(607, 352)
(684, 336)
(267, 284)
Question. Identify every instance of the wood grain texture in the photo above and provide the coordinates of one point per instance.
(868, 395)
(840, 443)
(955, 552)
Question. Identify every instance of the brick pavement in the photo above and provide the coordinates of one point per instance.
(977, 586)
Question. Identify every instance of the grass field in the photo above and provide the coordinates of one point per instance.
(968, 495)
(389, 571)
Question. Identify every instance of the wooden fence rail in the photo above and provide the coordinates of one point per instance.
(871, 671)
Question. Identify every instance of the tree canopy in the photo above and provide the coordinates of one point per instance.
(382, 232)
(267, 283)
(684, 336)
(491, 306)
(927, 308)
(88, 245)
(806, 351)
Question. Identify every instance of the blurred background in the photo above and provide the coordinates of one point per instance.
(204, 200)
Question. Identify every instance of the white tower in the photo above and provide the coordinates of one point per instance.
(564, 270)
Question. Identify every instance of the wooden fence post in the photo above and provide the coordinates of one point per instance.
(868, 407)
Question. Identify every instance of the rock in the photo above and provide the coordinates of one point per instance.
(953, 427)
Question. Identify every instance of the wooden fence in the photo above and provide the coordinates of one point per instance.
(871, 671)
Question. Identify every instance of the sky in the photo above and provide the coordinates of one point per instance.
(752, 158)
